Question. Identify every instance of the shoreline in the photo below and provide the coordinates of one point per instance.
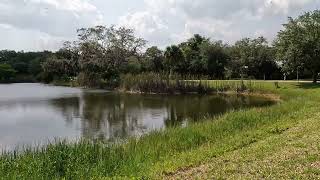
(166, 152)
(258, 93)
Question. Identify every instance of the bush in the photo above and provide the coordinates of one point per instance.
(90, 79)
(6, 72)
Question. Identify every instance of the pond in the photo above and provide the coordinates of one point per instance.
(33, 114)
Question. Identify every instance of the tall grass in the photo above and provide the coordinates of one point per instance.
(171, 84)
(162, 83)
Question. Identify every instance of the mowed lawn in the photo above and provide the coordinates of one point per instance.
(291, 151)
(294, 153)
(280, 141)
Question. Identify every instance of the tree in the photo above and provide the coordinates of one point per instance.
(26, 64)
(214, 56)
(55, 68)
(6, 72)
(6, 55)
(154, 59)
(134, 66)
(298, 45)
(194, 63)
(174, 58)
(117, 43)
(104, 52)
(252, 58)
(34, 66)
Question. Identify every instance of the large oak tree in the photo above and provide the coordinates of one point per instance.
(298, 44)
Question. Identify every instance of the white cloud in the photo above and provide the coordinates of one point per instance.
(48, 21)
(148, 25)
(28, 40)
(207, 27)
(283, 7)
(69, 5)
(228, 20)
(44, 23)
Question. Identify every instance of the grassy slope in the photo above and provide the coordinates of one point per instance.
(247, 143)
(284, 149)
(293, 154)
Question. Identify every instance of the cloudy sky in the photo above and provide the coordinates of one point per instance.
(34, 25)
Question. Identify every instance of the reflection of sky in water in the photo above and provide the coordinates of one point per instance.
(23, 124)
(29, 92)
(35, 113)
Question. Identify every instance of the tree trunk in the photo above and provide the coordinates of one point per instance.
(315, 77)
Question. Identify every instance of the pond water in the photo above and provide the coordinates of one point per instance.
(32, 114)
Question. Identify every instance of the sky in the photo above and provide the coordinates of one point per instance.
(36, 25)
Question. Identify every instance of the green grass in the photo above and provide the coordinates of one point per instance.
(174, 151)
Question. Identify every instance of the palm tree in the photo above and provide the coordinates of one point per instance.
(174, 57)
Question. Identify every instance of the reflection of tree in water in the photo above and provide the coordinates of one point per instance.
(174, 119)
(69, 107)
(113, 116)
(109, 116)
(193, 108)
(183, 109)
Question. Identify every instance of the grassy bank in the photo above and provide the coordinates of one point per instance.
(253, 134)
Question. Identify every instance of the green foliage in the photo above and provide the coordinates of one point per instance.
(174, 59)
(252, 58)
(154, 59)
(298, 45)
(55, 69)
(134, 66)
(101, 54)
(90, 79)
(215, 57)
(195, 61)
(26, 64)
(6, 72)
(247, 58)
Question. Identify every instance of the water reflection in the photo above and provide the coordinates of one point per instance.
(112, 116)
(74, 113)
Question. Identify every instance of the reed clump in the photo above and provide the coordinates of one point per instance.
(163, 83)
(176, 84)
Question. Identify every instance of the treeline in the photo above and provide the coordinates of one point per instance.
(101, 55)
(22, 66)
